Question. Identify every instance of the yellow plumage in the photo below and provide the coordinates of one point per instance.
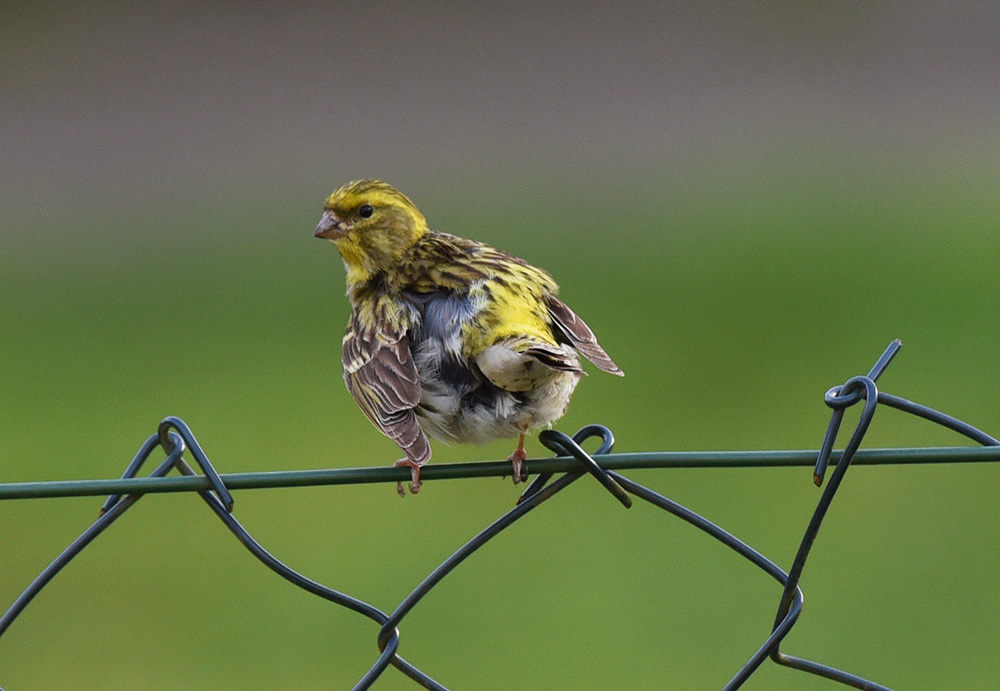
(448, 337)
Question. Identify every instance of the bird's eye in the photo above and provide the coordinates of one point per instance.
(365, 211)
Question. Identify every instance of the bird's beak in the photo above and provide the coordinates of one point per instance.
(330, 227)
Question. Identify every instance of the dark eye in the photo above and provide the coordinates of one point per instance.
(365, 211)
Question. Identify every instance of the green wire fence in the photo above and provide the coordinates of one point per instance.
(571, 462)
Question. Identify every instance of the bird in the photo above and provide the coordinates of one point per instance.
(449, 338)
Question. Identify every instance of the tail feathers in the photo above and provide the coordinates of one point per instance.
(554, 357)
(522, 363)
(573, 330)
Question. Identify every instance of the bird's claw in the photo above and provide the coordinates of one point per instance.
(517, 462)
(414, 475)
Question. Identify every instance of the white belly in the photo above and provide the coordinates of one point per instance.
(466, 407)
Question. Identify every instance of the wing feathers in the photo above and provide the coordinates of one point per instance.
(381, 376)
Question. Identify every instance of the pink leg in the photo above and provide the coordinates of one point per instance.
(517, 460)
(414, 474)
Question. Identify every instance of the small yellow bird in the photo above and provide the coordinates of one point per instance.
(448, 337)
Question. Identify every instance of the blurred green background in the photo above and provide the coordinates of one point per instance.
(746, 201)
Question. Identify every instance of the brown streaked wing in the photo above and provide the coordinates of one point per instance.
(383, 380)
(580, 336)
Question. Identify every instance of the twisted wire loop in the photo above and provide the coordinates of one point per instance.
(175, 438)
(563, 445)
(165, 437)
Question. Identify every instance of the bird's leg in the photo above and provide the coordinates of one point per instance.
(414, 474)
(517, 460)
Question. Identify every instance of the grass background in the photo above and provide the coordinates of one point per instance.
(746, 203)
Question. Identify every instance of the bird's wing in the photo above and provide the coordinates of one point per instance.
(573, 330)
(380, 374)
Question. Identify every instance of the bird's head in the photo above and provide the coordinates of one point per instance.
(372, 224)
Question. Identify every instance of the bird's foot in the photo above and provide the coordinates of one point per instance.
(414, 474)
(517, 461)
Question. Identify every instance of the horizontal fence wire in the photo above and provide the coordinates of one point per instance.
(783, 458)
(175, 439)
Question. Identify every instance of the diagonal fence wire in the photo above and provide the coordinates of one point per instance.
(176, 441)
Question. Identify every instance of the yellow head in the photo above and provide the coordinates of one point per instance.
(372, 224)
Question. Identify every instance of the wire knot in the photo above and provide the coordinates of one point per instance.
(853, 391)
(175, 438)
(839, 398)
(565, 445)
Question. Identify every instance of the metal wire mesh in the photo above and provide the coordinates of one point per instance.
(175, 439)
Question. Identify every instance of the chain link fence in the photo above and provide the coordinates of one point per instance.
(176, 441)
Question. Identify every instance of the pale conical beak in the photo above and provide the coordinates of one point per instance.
(330, 227)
